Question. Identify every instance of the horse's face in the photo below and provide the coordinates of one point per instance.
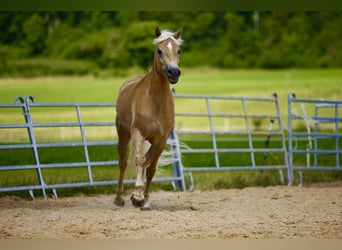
(168, 52)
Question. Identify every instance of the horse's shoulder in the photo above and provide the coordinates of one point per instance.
(131, 82)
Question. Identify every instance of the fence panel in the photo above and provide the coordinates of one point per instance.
(77, 131)
(219, 131)
(315, 139)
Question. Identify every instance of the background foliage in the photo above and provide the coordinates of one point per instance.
(109, 41)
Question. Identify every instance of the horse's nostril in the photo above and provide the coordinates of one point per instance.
(173, 72)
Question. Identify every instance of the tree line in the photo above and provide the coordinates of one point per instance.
(217, 39)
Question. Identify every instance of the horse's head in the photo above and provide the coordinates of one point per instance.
(167, 53)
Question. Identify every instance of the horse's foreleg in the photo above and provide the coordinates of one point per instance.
(141, 164)
(150, 172)
(153, 154)
(124, 138)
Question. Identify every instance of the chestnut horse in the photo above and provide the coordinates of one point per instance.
(145, 112)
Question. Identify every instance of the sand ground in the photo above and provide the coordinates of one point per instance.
(281, 212)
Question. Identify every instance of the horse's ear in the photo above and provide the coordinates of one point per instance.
(157, 32)
(178, 33)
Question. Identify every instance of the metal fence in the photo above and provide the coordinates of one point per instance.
(212, 133)
(34, 130)
(220, 131)
(314, 135)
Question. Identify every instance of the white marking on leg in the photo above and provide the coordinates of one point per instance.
(140, 176)
(169, 45)
(138, 150)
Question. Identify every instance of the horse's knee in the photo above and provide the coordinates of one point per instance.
(140, 161)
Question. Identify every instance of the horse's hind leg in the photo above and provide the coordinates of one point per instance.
(124, 138)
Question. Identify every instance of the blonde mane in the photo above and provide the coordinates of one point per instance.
(166, 34)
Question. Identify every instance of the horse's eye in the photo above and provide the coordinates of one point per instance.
(178, 51)
(160, 52)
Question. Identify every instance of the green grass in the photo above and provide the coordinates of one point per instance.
(320, 83)
(309, 83)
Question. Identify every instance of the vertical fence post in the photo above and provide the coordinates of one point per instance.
(336, 136)
(250, 140)
(283, 141)
(289, 127)
(30, 130)
(84, 142)
(177, 166)
(315, 138)
(213, 134)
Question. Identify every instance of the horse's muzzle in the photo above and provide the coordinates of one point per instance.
(172, 74)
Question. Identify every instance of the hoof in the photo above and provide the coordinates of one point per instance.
(146, 208)
(119, 202)
(136, 202)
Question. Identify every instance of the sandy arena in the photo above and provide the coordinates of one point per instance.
(313, 212)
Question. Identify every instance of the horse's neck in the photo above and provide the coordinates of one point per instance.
(157, 79)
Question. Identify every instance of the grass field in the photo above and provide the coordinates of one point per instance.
(320, 83)
(311, 83)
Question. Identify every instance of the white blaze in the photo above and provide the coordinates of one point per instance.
(169, 45)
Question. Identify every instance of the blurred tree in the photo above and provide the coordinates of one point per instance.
(11, 27)
(230, 43)
(137, 44)
(124, 18)
(35, 32)
(219, 39)
(329, 42)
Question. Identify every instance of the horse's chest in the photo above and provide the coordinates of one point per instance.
(156, 119)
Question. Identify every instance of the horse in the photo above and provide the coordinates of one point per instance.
(145, 113)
